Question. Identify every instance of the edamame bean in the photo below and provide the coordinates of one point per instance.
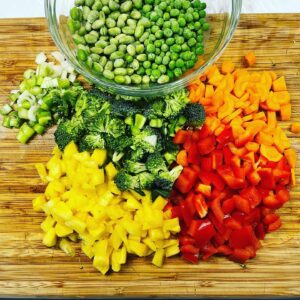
(101, 43)
(93, 16)
(120, 79)
(139, 30)
(109, 66)
(97, 50)
(117, 54)
(108, 74)
(130, 71)
(138, 4)
(128, 30)
(78, 39)
(135, 64)
(98, 24)
(122, 48)
(119, 62)
(126, 6)
(120, 71)
(137, 79)
(135, 14)
(113, 5)
(103, 61)
(90, 38)
(89, 2)
(97, 67)
(110, 49)
(140, 48)
(142, 57)
(146, 79)
(127, 79)
(131, 50)
(114, 31)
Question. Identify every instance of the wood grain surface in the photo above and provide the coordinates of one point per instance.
(29, 268)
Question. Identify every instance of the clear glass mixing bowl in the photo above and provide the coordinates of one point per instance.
(222, 15)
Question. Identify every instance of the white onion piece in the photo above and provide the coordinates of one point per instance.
(41, 58)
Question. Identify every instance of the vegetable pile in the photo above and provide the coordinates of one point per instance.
(43, 98)
(139, 41)
(127, 175)
(91, 208)
(237, 168)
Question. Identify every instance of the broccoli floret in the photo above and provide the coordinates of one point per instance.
(148, 139)
(175, 124)
(115, 128)
(134, 166)
(165, 180)
(155, 109)
(123, 108)
(194, 114)
(175, 103)
(155, 163)
(91, 142)
(145, 180)
(125, 181)
(67, 131)
(117, 147)
(137, 154)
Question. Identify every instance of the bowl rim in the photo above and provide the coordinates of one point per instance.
(155, 89)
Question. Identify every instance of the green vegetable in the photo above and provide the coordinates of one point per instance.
(194, 114)
(25, 133)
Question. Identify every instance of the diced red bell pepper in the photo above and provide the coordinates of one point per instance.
(243, 139)
(267, 178)
(188, 144)
(206, 163)
(227, 155)
(266, 211)
(274, 226)
(208, 250)
(239, 255)
(225, 136)
(216, 207)
(204, 132)
(282, 195)
(242, 204)
(254, 177)
(200, 205)
(271, 218)
(217, 158)
(183, 184)
(228, 206)
(242, 238)
(230, 178)
(191, 249)
(253, 217)
(272, 202)
(186, 240)
(189, 200)
(224, 250)
(193, 155)
(176, 212)
(185, 213)
(181, 136)
(193, 258)
(253, 195)
(206, 145)
(218, 239)
(232, 223)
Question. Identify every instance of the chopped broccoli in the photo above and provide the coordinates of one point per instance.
(165, 180)
(123, 108)
(67, 131)
(117, 147)
(155, 163)
(175, 103)
(137, 154)
(125, 181)
(145, 180)
(134, 167)
(115, 128)
(194, 114)
(91, 142)
(155, 109)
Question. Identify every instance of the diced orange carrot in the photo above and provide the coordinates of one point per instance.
(281, 141)
(285, 112)
(291, 156)
(282, 97)
(235, 114)
(279, 84)
(226, 109)
(272, 121)
(264, 139)
(227, 67)
(216, 79)
(219, 130)
(295, 128)
(247, 118)
(270, 153)
(182, 158)
(209, 91)
(250, 59)
(252, 147)
(271, 103)
(260, 116)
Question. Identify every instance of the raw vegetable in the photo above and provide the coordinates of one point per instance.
(137, 135)
(90, 208)
(295, 128)
(139, 42)
(45, 96)
(237, 169)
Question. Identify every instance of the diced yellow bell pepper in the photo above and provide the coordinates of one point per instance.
(76, 224)
(41, 169)
(61, 230)
(169, 243)
(101, 189)
(38, 203)
(62, 211)
(158, 258)
(66, 246)
(113, 188)
(49, 239)
(115, 212)
(132, 203)
(115, 240)
(106, 198)
(97, 178)
(115, 265)
(101, 247)
(56, 152)
(122, 255)
(172, 250)
(172, 225)
(82, 156)
(87, 250)
(131, 227)
(101, 263)
(73, 237)
(159, 203)
(99, 156)
(47, 224)
(70, 150)
(156, 234)
(98, 232)
(139, 249)
(110, 171)
(147, 241)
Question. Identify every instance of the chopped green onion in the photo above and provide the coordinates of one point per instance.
(25, 133)
(156, 123)
(6, 109)
(23, 113)
(39, 128)
(6, 122)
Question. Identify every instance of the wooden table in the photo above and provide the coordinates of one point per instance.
(28, 268)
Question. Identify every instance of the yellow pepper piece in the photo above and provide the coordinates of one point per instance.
(42, 172)
(66, 246)
(38, 203)
(99, 156)
(47, 224)
(49, 239)
(158, 257)
(61, 230)
(111, 171)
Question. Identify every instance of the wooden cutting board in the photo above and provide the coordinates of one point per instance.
(28, 268)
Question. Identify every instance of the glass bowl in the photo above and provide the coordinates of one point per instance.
(222, 15)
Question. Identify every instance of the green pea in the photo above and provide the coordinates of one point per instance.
(130, 71)
(160, 22)
(179, 63)
(136, 79)
(174, 12)
(151, 56)
(172, 64)
(150, 48)
(108, 74)
(141, 57)
(135, 64)
(148, 72)
(164, 47)
(140, 71)
(138, 4)
(82, 55)
(97, 67)
(163, 79)
(73, 25)
(177, 72)
(158, 60)
(110, 49)
(205, 26)
(175, 48)
(147, 64)
(119, 62)
(76, 14)
(120, 79)
(128, 58)
(190, 64)
(115, 15)
(145, 22)
(146, 79)
(126, 6)
(199, 50)
(162, 69)
(170, 41)
(140, 48)
(168, 32)
(156, 73)
(166, 60)
(120, 71)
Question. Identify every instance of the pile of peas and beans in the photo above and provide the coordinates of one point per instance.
(139, 41)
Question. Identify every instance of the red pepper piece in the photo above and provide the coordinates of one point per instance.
(186, 240)
(193, 258)
(242, 204)
(225, 136)
(253, 195)
(188, 144)
(254, 177)
(228, 206)
(282, 195)
(232, 223)
(230, 178)
(243, 139)
(208, 251)
(185, 213)
(176, 212)
(200, 205)
(217, 158)
(225, 250)
(267, 178)
(227, 155)
(253, 217)
(274, 226)
(271, 218)
(242, 238)
(206, 145)
(272, 202)
(191, 249)
(204, 132)
(205, 233)
(183, 184)
(189, 200)
(206, 163)
(216, 207)
(239, 255)
(218, 239)
(181, 136)
(193, 155)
